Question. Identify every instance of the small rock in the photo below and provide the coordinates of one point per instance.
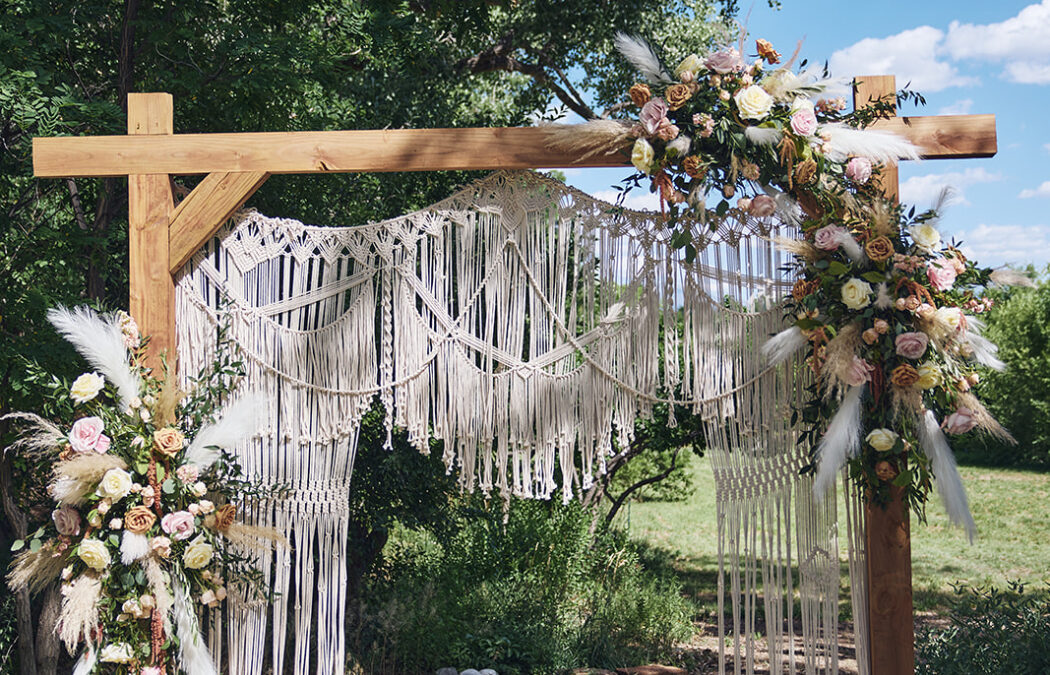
(447, 671)
(488, 671)
(469, 671)
(651, 669)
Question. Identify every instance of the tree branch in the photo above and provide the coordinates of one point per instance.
(619, 501)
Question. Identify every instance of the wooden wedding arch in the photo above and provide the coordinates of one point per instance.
(164, 235)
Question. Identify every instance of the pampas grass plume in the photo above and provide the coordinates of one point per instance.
(880, 147)
(250, 536)
(945, 473)
(594, 137)
(101, 342)
(133, 546)
(840, 442)
(1008, 277)
(77, 477)
(799, 247)
(194, 656)
(783, 344)
(79, 616)
(33, 570)
(641, 55)
(39, 437)
(237, 424)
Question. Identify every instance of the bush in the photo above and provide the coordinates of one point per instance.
(990, 632)
(526, 589)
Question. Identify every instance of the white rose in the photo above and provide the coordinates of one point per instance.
(94, 554)
(925, 236)
(753, 102)
(86, 387)
(642, 156)
(205, 506)
(780, 83)
(856, 294)
(116, 524)
(801, 103)
(119, 652)
(199, 489)
(691, 63)
(115, 485)
(198, 554)
(952, 316)
(882, 439)
(929, 375)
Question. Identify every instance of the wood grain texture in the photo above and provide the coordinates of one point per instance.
(152, 300)
(203, 211)
(891, 626)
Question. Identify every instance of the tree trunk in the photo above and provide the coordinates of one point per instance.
(23, 608)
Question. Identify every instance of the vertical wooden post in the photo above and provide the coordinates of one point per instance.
(150, 204)
(891, 626)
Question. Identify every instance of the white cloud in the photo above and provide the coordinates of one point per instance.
(911, 55)
(958, 108)
(924, 190)
(1041, 191)
(995, 245)
(1022, 42)
(639, 199)
(1046, 146)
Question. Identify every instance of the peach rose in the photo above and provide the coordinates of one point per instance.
(168, 441)
(139, 519)
(640, 94)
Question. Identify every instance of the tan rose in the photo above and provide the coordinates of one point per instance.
(805, 171)
(168, 441)
(677, 95)
(640, 94)
(224, 517)
(766, 51)
(879, 249)
(691, 166)
(802, 288)
(139, 519)
(904, 376)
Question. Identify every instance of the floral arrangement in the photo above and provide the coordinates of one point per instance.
(885, 307)
(146, 494)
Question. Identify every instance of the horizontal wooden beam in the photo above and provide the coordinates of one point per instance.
(945, 136)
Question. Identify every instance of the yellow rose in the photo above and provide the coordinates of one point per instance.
(753, 102)
(856, 294)
(642, 156)
(925, 236)
(929, 375)
(198, 554)
(86, 387)
(94, 554)
(115, 485)
(690, 63)
(882, 439)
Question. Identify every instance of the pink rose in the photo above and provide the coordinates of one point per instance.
(666, 131)
(188, 473)
(830, 237)
(912, 345)
(67, 521)
(960, 421)
(941, 274)
(804, 122)
(859, 372)
(161, 546)
(858, 170)
(763, 206)
(652, 114)
(724, 62)
(179, 524)
(86, 435)
(151, 670)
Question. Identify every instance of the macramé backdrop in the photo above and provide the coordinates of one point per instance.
(518, 321)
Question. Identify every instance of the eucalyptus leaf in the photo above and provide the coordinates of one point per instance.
(35, 545)
(18, 545)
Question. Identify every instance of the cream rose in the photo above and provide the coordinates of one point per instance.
(642, 156)
(882, 439)
(94, 554)
(925, 236)
(690, 64)
(856, 294)
(119, 652)
(115, 485)
(86, 387)
(198, 554)
(929, 375)
(952, 316)
(753, 102)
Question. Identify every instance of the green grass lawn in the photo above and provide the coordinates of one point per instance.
(1011, 508)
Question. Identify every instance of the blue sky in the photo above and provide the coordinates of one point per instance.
(964, 57)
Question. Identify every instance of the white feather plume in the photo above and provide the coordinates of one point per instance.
(238, 423)
(945, 474)
(100, 341)
(851, 247)
(642, 57)
(841, 441)
(788, 210)
(132, 547)
(194, 657)
(880, 147)
(783, 344)
(882, 297)
(762, 135)
(86, 663)
(985, 351)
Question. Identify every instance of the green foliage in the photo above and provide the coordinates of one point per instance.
(524, 588)
(661, 448)
(990, 632)
(8, 635)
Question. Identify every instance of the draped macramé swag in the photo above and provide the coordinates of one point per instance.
(520, 322)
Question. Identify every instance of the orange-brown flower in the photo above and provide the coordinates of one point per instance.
(691, 166)
(224, 517)
(802, 288)
(677, 95)
(168, 441)
(766, 51)
(139, 519)
(886, 471)
(805, 171)
(879, 249)
(904, 376)
(640, 94)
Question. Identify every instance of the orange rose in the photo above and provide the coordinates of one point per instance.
(904, 376)
(640, 94)
(168, 441)
(677, 95)
(139, 519)
(691, 166)
(879, 249)
(224, 517)
(766, 51)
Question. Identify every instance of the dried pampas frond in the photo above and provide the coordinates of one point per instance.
(985, 351)
(167, 399)
(194, 656)
(838, 361)
(840, 442)
(762, 135)
(76, 478)
(39, 437)
(799, 247)
(159, 587)
(33, 570)
(882, 296)
(252, 536)
(984, 419)
(881, 220)
(641, 55)
(79, 616)
(594, 137)
(945, 473)
(1008, 277)
(101, 342)
(237, 424)
(788, 210)
(880, 147)
(782, 345)
(905, 399)
(86, 663)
